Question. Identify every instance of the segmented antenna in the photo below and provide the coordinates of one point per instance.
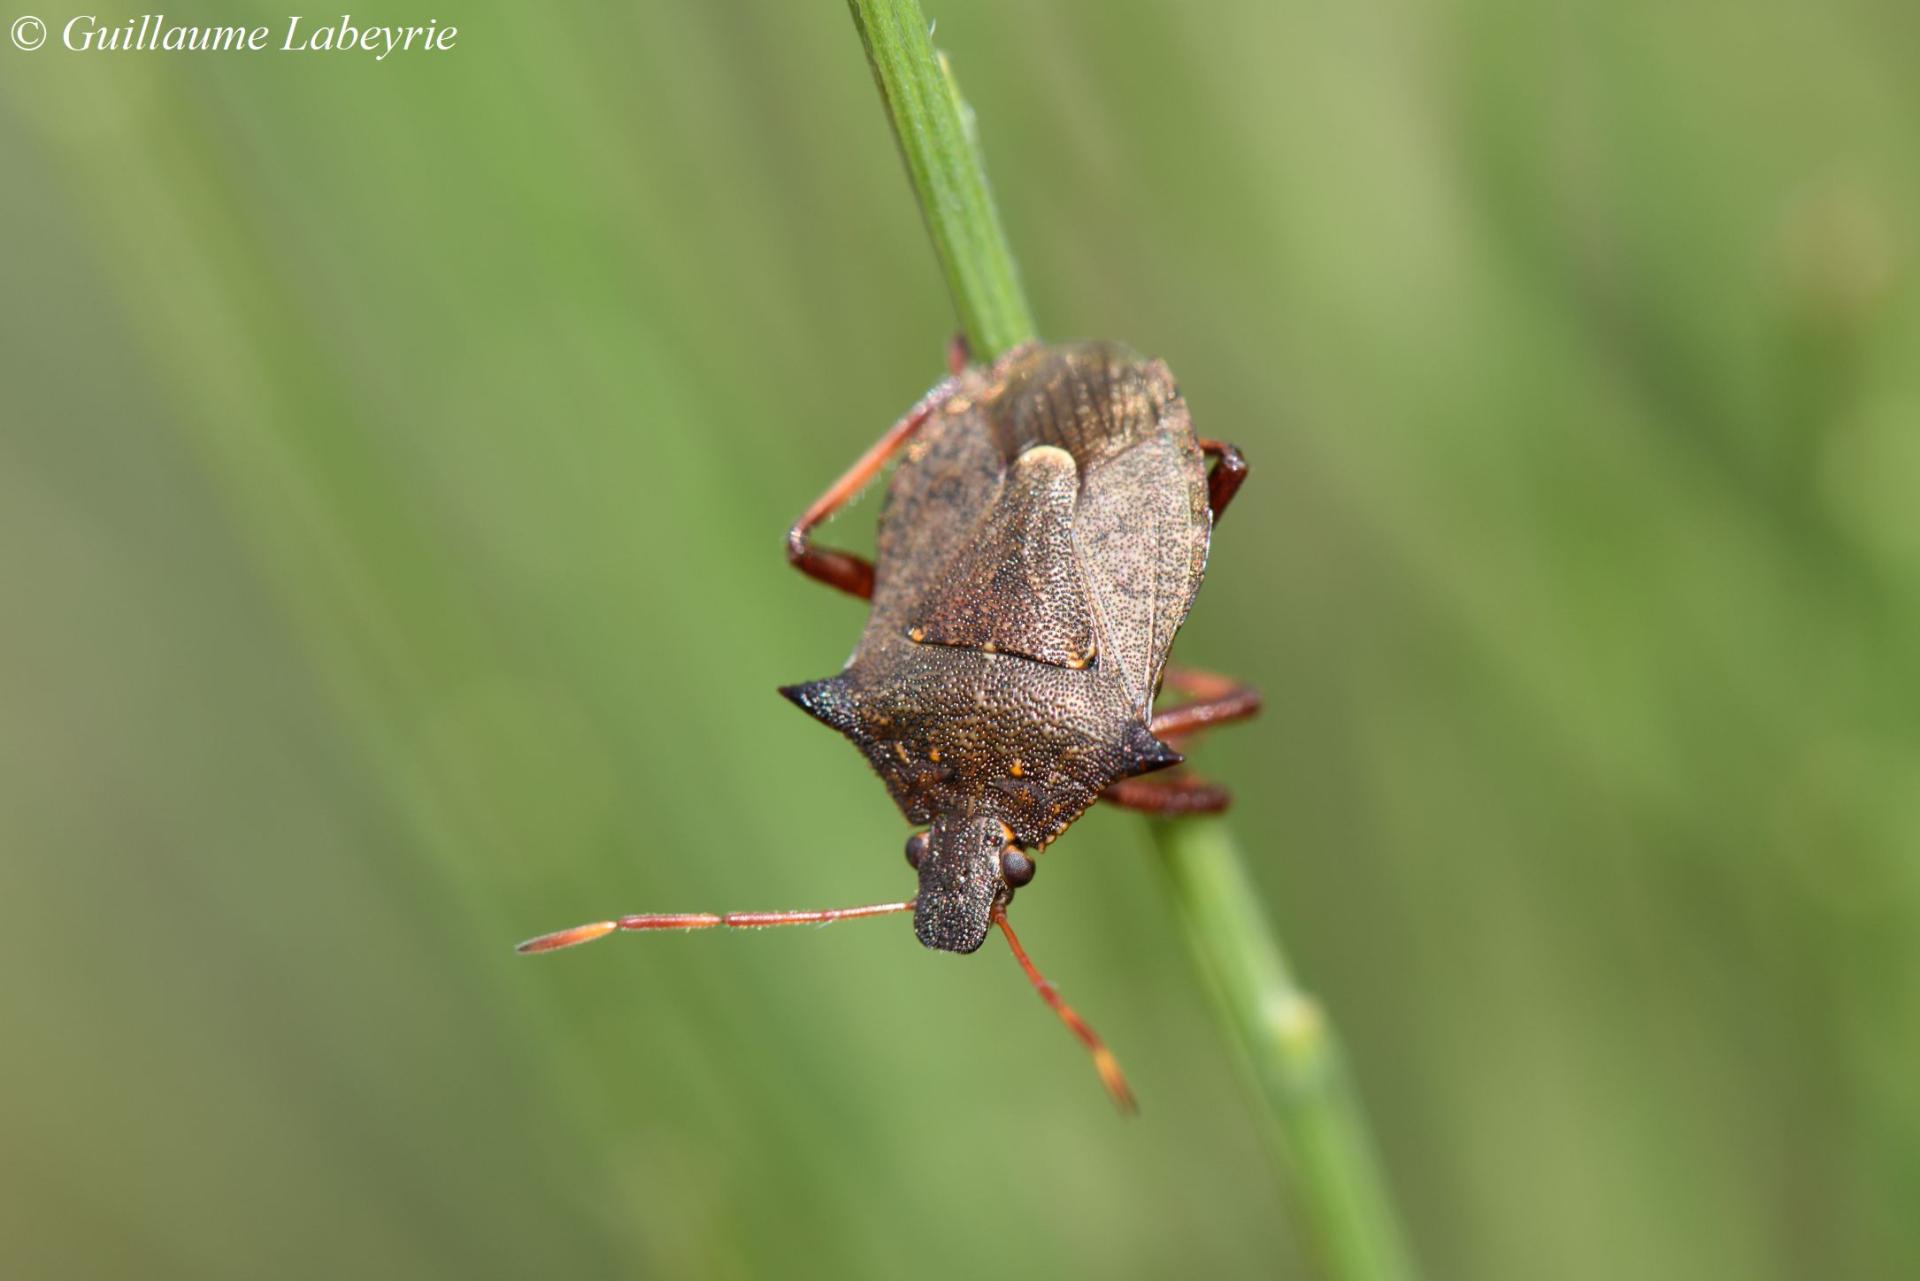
(703, 921)
(1103, 1061)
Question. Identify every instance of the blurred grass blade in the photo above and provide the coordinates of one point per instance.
(1315, 1124)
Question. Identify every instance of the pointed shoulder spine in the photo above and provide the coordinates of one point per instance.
(1143, 753)
(825, 700)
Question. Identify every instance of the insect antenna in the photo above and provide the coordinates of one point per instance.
(704, 921)
(1103, 1061)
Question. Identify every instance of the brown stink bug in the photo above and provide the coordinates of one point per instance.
(1042, 540)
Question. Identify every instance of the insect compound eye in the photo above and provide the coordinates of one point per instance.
(1016, 866)
(916, 849)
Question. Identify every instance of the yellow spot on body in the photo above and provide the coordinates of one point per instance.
(900, 750)
(990, 648)
(959, 405)
(933, 754)
(1017, 769)
(916, 634)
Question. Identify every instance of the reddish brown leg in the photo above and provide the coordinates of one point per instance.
(1168, 797)
(959, 354)
(704, 921)
(850, 573)
(1216, 700)
(1223, 482)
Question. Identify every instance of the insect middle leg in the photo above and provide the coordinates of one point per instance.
(1213, 700)
(850, 573)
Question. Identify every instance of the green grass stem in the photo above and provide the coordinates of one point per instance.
(935, 131)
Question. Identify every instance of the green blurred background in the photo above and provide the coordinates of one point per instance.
(393, 464)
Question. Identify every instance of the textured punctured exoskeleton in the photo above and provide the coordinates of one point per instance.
(1042, 540)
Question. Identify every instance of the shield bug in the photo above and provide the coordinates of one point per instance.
(1041, 542)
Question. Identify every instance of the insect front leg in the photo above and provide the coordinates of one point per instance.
(850, 573)
(1169, 797)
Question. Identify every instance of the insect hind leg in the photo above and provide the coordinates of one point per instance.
(1228, 474)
